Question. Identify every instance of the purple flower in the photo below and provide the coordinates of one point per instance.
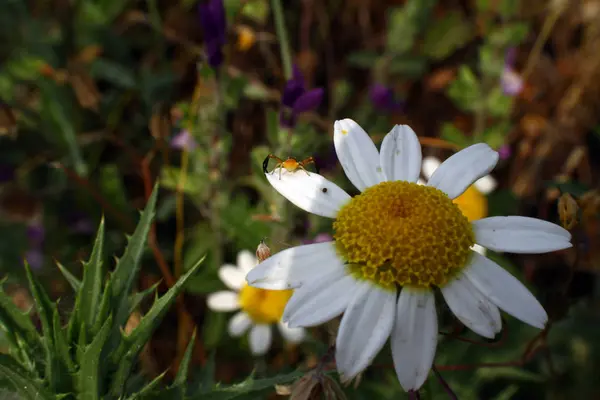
(34, 258)
(511, 81)
(184, 141)
(79, 222)
(297, 100)
(36, 234)
(213, 21)
(383, 98)
(504, 151)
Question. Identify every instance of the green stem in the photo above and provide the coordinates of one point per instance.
(284, 48)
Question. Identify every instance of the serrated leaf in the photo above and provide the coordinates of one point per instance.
(12, 317)
(206, 377)
(137, 298)
(128, 266)
(91, 365)
(405, 23)
(81, 344)
(91, 287)
(62, 348)
(26, 385)
(249, 385)
(45, 311)
(133, 344)
(103, 309)
(184, 366)
(72, 279)
(147, 391)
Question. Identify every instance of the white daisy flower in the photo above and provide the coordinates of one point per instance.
(473, 202)
(394, 244)
(258, 308)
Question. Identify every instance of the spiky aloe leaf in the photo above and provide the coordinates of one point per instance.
(128, 266)
(149, 389)
(88, 297)
(27, 386)
(12, 318)
(45, 309)
(104, 309)
(133, 344)
(184, 366)
(72, 279)
(62, 347)
(249, 385)
(91, 365)
(136, 299)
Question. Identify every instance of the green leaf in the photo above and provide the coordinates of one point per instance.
(92, 365)
(464, 90)
(447, 35)
(62, 348)
(408, 66)
(129, 350)
(454, 135)
(148, 390)
(498, 104)
(405, 23)
(27, 386)
(249, 385)
(72, 279)
(206, 377)
(104, 308)
(81, 344)
(511, 34)
(128, 266)
(45, 311)
(137, 298)
(88, 297)
(112, 72)
(12, 318)
(363, 59)
(194, 183)
(184, 366)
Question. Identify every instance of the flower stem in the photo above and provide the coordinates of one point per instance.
(284, 48)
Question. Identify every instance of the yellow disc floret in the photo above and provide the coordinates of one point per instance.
(401, 233)
(472, 203)
(262, 305)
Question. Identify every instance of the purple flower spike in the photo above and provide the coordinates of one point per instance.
(511, 81)
(296, 99)
(214, 26)
(184, 141)
(36, 234)
(383, 98)
(34, 258)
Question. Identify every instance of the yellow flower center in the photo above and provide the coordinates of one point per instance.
(246, 38)
(472, 203)
(264, 306)
(402, 233)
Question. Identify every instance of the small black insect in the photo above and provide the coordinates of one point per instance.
(324, 190)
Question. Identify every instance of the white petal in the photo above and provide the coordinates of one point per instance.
(365, 327)
(401, 154)
(460, 170)
(357, 154)
(421, 182)
(414, 337)
(239, 324)
(233, 277)
(290, 268)
(471, 307)
(260, 339)
(223, 301)
(430, 164)
(292, 335)
(479, 249)
(486, 184)
(319, 302)
(520, 235)
(506, 291)
(309, 191)
(246, 260)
